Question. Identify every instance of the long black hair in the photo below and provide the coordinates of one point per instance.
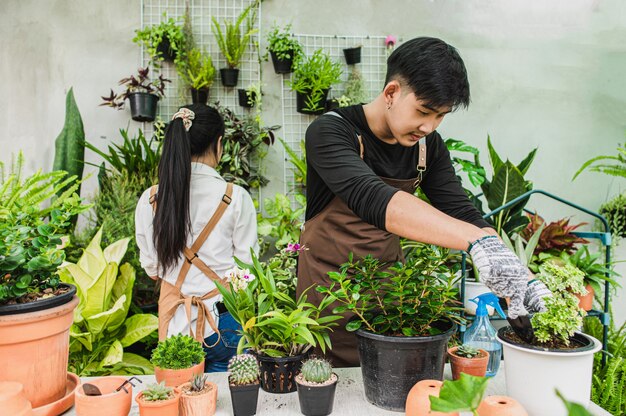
(171, 222)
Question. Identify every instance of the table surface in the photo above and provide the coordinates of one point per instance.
(349, 397)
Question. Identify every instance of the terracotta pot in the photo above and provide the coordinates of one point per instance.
(174, 378)
(159, 408)
(199, 405)
(12, 399)
(474, 366)
(586, 301)
(500, 406)
(111, 403)
(60, 406)
(418, 402)
(34, 349)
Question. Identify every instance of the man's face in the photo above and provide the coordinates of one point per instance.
(409, 118)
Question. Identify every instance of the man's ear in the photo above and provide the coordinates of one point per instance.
(392, 90)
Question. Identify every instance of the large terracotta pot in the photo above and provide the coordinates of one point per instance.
(12, 399)
(110, 403)
(203, 404)
(500, 406)
(585, 302)
(34, 349)
(174, 378)
(159, 408)
(418, 402)
(474, 366)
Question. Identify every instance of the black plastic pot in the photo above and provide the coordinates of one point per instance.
(246, 98)
(200, 96)
(42, 304)
(303, 97)
(282, 66)
(316, 400)
(391, 365)
(143, 106)
(278, 375)
(353, 55)
(229, 76)
(244, 399)
(165, 49)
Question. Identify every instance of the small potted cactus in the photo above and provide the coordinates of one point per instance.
(469, 360)
(243, 380)
(316, 387)
(158, 400)
(177, 359)
(198, 397)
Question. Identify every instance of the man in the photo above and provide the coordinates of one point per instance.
(364, 163)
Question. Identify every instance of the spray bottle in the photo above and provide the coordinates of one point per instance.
(482, 334)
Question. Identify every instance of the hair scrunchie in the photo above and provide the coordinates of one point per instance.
(186, 115)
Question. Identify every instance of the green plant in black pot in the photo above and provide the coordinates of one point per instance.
(284, 49)
(316, 387)
(312, 79)
(142, 93)
(615, 213)
(198, 73)
(163, 41)
(243, 381)
(401, 313)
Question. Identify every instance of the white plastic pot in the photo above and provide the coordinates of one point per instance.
(532, 375)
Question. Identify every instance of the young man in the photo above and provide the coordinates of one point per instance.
(364, 163)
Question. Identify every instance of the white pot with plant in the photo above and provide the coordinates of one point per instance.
(560, 357)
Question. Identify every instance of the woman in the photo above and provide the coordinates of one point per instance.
(189, 228)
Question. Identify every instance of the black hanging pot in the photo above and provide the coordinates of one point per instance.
(42, 304)
(200, 96)
(353, 55)
(246, 98)
(165, 50)
(278, 374)
(229, 76)
(316, 400)
(143, 106)
(304, 98)
(244, 399)
(391, 365)
(282, 66)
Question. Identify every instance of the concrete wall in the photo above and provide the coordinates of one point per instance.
(543, 74)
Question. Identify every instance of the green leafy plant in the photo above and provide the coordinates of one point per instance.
(284, 266)
(524, 249)
(198, 382)
(298, 163)
(573, 409)
(316, 370)
(563, 316)
(273, 323)
(283, 44)
(615, 213)
(233, 42)
(197, 71)
(69, 151)
(467, 351)
(462, 395)
(243, 369)
(157, 37)
(555, 237)
(356, 92)
(101, 328)
(33, 222)
(177, 352)
(410, 299)
(157, 392)
(133, 84)
(616, 169)
(314, 76)
(281, 223)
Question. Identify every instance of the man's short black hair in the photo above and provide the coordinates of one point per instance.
(433, 70)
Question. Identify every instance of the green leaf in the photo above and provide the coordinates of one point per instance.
(113, 355)
(508, 183)
(137, 361)
(98, 295)
(115, 252)
(353, 325)
(496, 161)
(138, 327)
(99, 322)
(464, 394)
(574, 409)
(92, 261)
(528, 160)
(123, 287)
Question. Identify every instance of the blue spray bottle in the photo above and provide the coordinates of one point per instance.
(482, 334)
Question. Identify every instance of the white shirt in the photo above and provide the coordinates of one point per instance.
(233, 236)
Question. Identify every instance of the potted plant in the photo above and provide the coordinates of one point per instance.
(277, 328)
(283, 48)
(158, 400)
(356, 91)
(176, 359)
(163, 42)
(353, 55)
(198, 397)
(316, 387)
(404, 315)
(198, 72)
(142, 94)
(312, 79)
(243, 381)
(469, 360)
(36, 308)
(248, 97)
(233, 43)
(560, 357)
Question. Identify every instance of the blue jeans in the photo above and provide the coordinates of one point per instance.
(216, 358)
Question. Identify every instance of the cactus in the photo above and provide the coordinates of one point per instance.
(467, 351)
(157, 392)
(69, 154)
(197, 382)
(243, 369)
(316, 370)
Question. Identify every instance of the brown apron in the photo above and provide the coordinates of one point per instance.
(171, 295)
(330, 236)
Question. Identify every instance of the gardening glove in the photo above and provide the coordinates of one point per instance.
(501, 271)
(536, 292)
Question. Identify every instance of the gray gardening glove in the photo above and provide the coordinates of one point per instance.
(536, 292)
(501, 271)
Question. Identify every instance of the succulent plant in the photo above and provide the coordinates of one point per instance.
(467, 351)
(197, 382)
(316, 370)
(157, 392)
(243, 369)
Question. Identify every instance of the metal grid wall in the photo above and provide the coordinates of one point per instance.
(372, 67)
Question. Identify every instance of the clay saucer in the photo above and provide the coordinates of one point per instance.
(60, 406)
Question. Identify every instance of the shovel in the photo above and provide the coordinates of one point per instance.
(523, 328)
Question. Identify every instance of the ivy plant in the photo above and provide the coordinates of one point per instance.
(155, 38)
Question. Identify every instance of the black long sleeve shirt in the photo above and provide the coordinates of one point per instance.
(334, 167)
